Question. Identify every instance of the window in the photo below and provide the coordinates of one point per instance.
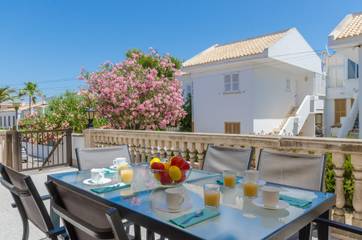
(4, 121)
(231, 82)
(232, 127)
(9, 121)
(339, 110)
(14, 121)
(352, 69)
(1, 122)
(288, 85)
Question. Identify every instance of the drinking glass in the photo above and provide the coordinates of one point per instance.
(126, 175)
(212, 195)
(251, 183)
(229, 178)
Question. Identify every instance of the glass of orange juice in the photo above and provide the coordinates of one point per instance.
(126, 175)
(229, 178)
(251, 183)
(212, 195)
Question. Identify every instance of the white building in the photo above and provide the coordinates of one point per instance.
(270, 84)
(8, 113)
(344, 100)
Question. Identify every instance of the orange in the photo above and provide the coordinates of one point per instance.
(167, 165)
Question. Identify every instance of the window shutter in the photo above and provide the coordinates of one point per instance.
(235, 82)
(227, 83)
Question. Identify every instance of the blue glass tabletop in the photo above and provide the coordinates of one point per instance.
(239, 218)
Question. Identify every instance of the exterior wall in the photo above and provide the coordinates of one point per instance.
(263, 101)
(309, 126)
(295, 50)
(4, 116)
(338, 87)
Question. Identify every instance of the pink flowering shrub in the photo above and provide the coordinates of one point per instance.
(140, 93)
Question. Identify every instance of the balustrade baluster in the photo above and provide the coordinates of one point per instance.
(357, 194)
(148, 149)
(162, 149)
(200, 147)
(192, 152)
(339, 213)
(169, 149)
(143, 150)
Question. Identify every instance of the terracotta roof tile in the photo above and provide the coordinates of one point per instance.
(352, 27)
(237, 49)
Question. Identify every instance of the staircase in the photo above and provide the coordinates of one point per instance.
(348, 123)
(294, 124)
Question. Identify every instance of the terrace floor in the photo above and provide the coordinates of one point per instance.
(10, 222)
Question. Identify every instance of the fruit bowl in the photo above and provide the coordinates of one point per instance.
(170, 173)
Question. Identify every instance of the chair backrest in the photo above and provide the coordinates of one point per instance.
(219, 158)
(26, 197)
(88, 158)
(83, 217)
(297, 170)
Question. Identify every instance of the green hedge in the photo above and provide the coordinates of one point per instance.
(348, 182)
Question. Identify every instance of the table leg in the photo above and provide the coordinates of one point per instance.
(323, 230)
(137, 232)
(54, 217)
(304, 233)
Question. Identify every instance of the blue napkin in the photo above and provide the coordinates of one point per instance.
(110, 188)
(296, 202)
(207, 214)
(221, 181)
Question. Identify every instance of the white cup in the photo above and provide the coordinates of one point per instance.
(270, 196)
(175, 198)
(97, 175)
(118, 161)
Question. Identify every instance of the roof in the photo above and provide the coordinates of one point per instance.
(350, 26)
(243, 48)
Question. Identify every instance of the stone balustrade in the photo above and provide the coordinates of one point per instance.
(144, 145)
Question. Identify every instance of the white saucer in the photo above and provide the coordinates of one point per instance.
(114, 167)
(102, 181)
(259, 203)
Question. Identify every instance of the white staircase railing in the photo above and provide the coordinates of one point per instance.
(294, 124)
(347, 122)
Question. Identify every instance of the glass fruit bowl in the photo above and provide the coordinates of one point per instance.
(167, 178)
(170, 172)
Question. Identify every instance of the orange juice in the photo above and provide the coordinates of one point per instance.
(250, 189)
(126, 175)
(212, 198)
(230, 181)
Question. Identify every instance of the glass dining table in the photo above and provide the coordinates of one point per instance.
(239, 218)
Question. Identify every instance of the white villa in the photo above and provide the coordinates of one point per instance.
(343, 103)
(271, 84)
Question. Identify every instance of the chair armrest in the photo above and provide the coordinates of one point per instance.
(44, 198)
(342, 226)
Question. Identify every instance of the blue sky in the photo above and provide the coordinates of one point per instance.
(49, 41)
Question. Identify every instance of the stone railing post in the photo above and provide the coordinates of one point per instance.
(357, 194)
(88, 138)
(338, 161)
(192, 152)
(200, 147)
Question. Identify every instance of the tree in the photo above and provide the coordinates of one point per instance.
(140, 93)
(64, 111)
(5, 94)
(32, 91)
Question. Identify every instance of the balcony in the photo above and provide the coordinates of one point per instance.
(146, 144)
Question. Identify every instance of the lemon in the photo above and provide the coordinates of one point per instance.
(155, 159)
(175, 173)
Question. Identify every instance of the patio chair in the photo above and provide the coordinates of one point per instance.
(219, 158)
(293, 169)
(83, 217)
(29, 203)
(88, 158)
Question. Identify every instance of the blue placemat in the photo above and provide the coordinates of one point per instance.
(207, 213)
(296, 202)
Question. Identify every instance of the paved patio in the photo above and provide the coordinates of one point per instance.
(10, 221)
